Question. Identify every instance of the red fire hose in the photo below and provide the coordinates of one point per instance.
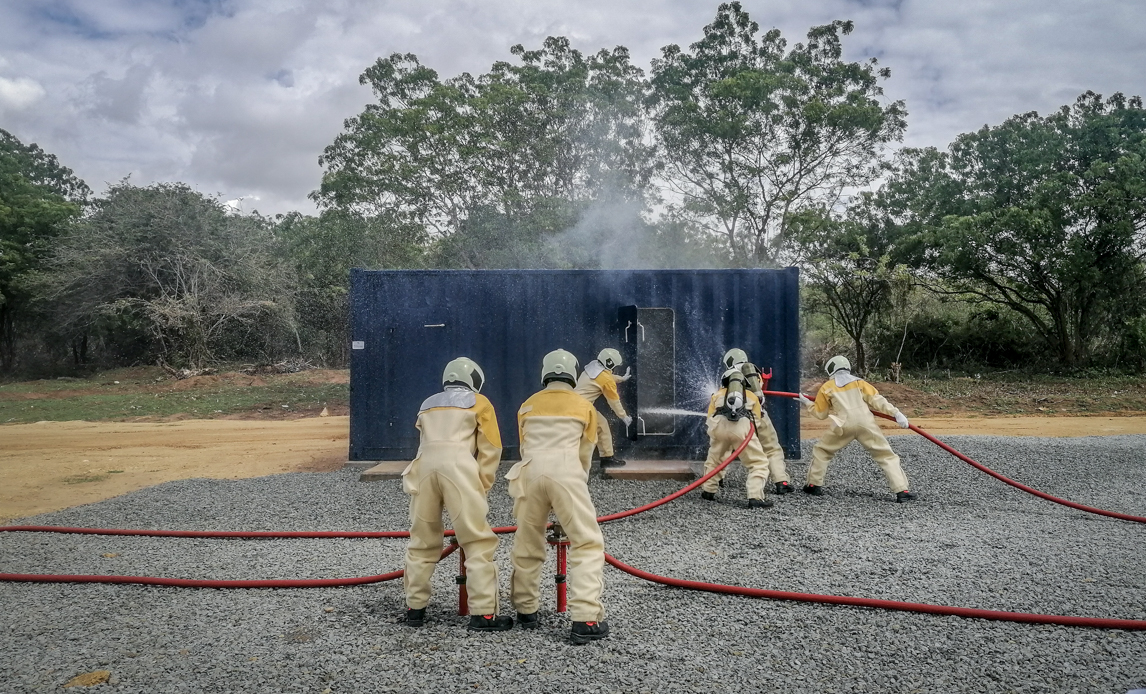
(691, 585)
(284, 583)
(1026, 617)
(979, 466)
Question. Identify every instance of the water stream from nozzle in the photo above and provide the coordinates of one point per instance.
(672, 410)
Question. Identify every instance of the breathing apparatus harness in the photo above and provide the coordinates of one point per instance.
(736, 380)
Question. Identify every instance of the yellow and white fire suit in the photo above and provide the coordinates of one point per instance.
(847, 401)
(726, 436)
(558, 430)
(594, 382)
(770, 442)
(455, 467)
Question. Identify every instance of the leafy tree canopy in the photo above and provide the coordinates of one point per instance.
(751, 132)
(1043, 214)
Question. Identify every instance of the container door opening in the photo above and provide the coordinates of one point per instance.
(649, 336)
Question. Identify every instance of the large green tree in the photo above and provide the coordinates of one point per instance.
(39, 197)
(751, 132)
(557, 128)
(1043, 214)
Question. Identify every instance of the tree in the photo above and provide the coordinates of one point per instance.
(203, 283)
(557, 128)
(750, 134)
(39, 197)
(850, 266)
(1044, 215)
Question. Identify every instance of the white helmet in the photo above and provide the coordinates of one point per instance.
(559, 365)
(836, 363)
(463, 371)
(610, 357)
(733, 357)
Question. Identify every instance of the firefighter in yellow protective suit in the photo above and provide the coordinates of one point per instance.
(596, 380)
(848, 401)
(731, 411)
(558, 430)
(456, 465)
(769, 440)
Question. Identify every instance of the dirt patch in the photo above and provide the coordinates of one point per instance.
(49, 466)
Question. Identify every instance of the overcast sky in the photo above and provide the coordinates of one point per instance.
(239, 97)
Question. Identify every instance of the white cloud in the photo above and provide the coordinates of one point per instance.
(20, 93)
(239, 97)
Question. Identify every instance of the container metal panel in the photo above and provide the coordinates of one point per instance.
(406, 324)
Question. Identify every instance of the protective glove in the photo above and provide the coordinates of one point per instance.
(627, 420)
(901, 420)
(808, 402)
(627, 376)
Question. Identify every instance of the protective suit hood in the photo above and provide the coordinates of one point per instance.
(594, 368)
(844, 377)
(463, 398)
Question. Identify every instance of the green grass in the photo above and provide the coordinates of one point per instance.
(140, 394)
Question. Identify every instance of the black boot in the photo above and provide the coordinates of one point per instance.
(761, 503)
(528, 621)
(903, 496)
(708, 496)
(813, 489)
(415, 618)
(611, 462)
(490, 622)
(784, 488)
(584, 632)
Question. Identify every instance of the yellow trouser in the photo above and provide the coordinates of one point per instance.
(770, 443)
(725, 437)
(446, 481)
(604, 438)
(556, 482)
(871, 438)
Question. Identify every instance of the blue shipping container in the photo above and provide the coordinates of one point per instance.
(672, 327)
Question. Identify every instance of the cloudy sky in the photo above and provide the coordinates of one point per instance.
(239, 97)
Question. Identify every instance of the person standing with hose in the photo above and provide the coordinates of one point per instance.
(558, 430)
(765, 432)
(596, 380)
(731, 411)
(457, 461)
(848, 400)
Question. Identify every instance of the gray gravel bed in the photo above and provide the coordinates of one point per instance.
(969, 541)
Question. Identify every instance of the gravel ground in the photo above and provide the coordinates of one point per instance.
(968, 541)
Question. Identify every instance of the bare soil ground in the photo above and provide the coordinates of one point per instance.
(143, 428)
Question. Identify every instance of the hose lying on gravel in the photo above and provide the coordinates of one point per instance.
(983, 468)
(1022, 617)
(1025, 617)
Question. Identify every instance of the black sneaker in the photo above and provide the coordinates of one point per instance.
(784, 488)
(415, 618)
(528, 621)
(612, 462)
(584, 632)
(813, 489)
(761, 503)
(490, 622)
(903, 496)
(708, 496)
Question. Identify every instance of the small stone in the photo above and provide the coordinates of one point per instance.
(110, 555)
(89, 679)
(325, 413)
(328, 608)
